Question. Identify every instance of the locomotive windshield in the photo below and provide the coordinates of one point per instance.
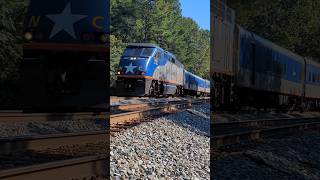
(138, 52)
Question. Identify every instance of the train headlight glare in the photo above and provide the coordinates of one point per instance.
(28, 36)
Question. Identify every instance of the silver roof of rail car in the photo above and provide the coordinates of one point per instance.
(272, 45)
(310, 61)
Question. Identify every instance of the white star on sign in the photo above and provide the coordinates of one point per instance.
(65, 21)
(130, 68)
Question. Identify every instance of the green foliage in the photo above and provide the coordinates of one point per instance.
(159, 22)
(293, 24)
(117, 47)
(11, 22)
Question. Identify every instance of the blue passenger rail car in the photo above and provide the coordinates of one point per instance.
(66, 54)
(148, 70)
(267, 74)
(312, 83)
(195, 85)
(250, 70)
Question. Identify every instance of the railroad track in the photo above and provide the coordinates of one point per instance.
(86, 167)
(244, 131)
(89, 167)
(52, 141)
(114, 99)
(128, 119)
(20, 116)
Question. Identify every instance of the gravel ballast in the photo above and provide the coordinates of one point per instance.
(290, 157)
(53, 127)
(171, 147)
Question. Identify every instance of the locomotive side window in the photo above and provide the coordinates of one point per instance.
(147, 52)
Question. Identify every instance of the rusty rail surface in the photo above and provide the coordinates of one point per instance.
(19, 116)
(90, 167)
(252, 130)
(53, 141)
(151, 104)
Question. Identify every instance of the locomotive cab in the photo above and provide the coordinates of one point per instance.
(66, 55)
(147, 70)
(132, 70)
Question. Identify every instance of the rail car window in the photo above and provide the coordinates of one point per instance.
(309, 76)
(138, 52)
(300, 75)
(284, 69)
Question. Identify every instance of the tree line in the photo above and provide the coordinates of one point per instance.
(293, 24)
(11, 25)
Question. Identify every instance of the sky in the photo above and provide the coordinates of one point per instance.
(198, 10)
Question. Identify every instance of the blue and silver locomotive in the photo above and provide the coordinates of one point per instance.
(66, 54)
(148, 70)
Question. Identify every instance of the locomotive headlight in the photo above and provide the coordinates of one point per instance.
(119, 72)
(133, 58)
(28, 36)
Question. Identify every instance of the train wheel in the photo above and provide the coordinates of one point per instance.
(152, 90)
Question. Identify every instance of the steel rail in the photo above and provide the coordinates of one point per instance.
(128, 117)
(89, 167)
(150, 104)
(19, 116)
(260, 129)
(52, 141)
